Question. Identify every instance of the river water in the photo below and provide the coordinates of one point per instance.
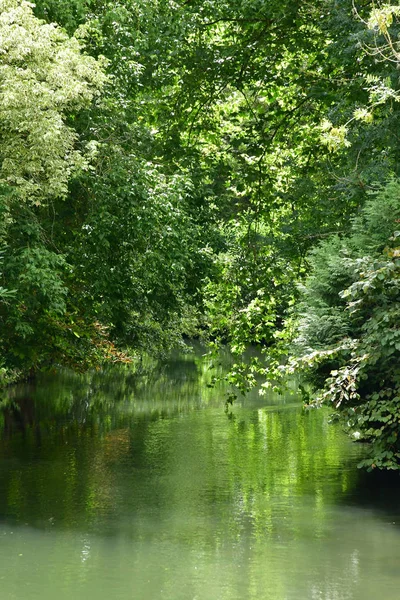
(117, 487)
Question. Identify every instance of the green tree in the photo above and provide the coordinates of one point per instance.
(43, 76)
(346, 340)
(44, 80)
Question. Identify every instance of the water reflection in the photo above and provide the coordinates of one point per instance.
(114, 485)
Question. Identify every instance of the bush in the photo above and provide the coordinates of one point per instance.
(347, 340)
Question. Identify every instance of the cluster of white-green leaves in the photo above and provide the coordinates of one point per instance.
(43, 74)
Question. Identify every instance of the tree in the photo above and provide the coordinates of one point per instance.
(346, 340)
(43, 76)
(44, 80)
(229, 141)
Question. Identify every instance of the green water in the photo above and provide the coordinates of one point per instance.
(114, 486)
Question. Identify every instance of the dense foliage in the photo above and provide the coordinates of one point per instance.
(204, 168)
(346, 339)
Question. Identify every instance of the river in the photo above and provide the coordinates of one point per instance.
(116, 486)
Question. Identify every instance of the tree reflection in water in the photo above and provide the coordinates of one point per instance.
(148, 476)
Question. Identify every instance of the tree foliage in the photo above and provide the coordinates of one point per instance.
(44, 80)
(346, 338)
(172, 168)
(43, 76)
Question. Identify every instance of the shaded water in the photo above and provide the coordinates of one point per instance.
(114, 486)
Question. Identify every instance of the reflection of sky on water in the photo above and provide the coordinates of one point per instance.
(119, 487)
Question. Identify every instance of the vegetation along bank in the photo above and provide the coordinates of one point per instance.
(219, 168)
